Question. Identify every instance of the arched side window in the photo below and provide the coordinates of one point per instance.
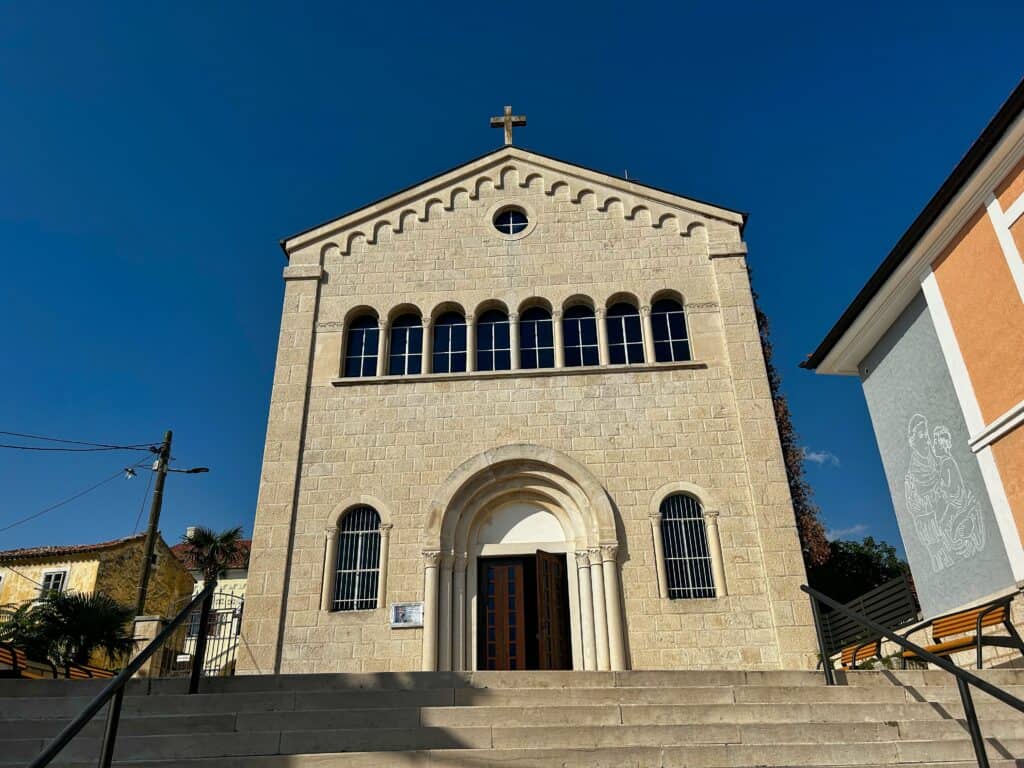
(671, 343)
(536, 339)
(579, 335)
(688, 563)
(625, 335)
(358, 566)
(361, 347)
(449, 353)
(405, 354)
(493, 342)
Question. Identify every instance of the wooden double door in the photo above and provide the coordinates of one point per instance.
(523, 618)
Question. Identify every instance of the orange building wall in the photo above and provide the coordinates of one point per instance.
(1009, 453)
(987, 315)
(1011, 187)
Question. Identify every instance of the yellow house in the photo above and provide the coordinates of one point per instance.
(111, 567)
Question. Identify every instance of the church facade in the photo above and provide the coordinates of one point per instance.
(520, 419)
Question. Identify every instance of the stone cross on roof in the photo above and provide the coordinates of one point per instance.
(506, 121)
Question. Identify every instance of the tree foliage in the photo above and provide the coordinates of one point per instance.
(813, 542)
(69, 627)
(210, 552)
(855, 567)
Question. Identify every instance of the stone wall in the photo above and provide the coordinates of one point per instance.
(169, 586)
(710, 423)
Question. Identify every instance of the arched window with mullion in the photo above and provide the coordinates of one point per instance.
(358, 566)
(361, 347)
(625, 335)
(536, 339)
(493, 342)
(405, 354)
(684, 536)
(579, 337)
(671, 341)
(449, 353)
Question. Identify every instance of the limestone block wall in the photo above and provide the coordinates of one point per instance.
(169, 586)
(709, 423)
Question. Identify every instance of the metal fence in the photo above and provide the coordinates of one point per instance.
(892, 605)
(222, 630)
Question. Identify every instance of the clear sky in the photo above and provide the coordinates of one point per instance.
(153, 154)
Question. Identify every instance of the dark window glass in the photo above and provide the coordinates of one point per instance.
(493, 350)
(579, 335)
(406, 350)
(449, 353)
(358, 564)
(687, 555)
(670, 340)
(361, 347)
(536, 339)
(510, 221)
(625, 335)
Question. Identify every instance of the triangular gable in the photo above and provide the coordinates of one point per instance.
(500, 168)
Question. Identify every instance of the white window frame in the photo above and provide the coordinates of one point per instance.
(664, 317)
(63, 572)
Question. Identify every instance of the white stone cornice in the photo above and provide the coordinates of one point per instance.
(303, 272)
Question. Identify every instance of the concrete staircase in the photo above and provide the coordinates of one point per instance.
(527, 719)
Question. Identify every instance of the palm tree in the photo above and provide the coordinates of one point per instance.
(210, 552)
(77, 624)
(69, 627)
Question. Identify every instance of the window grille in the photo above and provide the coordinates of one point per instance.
(687, 555)
(449, 353)
(579, 332)
(625, 335)
(361, 347)
(358, 568)
(53, 581)
(406, 349)
(536, 339)
(670, 339)
(493, 343)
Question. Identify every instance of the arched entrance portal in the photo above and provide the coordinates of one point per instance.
(538, 518)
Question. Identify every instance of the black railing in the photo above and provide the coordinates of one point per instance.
(114, 690)
(892, 605)
(964, 679)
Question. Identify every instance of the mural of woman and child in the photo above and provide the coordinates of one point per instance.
(946, 513)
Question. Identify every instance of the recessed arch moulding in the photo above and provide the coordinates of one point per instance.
(526, 475)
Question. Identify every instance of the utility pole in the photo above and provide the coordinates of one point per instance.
(163, 457)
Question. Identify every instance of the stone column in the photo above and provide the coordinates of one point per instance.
(600, 612)
(382, 577)
(659, 555)
(586, 609)
(431, 559)
(559, 337)
(444, 634)
(616, 630)
(330, 569)
(460, 608)
(470, 343)
(513, 335)
(602, 336)
(715, 547)
(145, 630)
(648, 330)
(382, 349)
(428, 346)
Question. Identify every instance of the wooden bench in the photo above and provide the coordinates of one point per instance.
(970, 623)
(853, 654)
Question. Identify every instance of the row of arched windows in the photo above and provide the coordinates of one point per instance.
(686, 551)
(531, 341)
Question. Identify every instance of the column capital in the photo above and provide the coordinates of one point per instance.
(513, 317)
(556, 314)
(655, 517)
(332, 532)
(594, 555)
(609, 552)
(432, 557)
(425, 322)
(645, 309)
(385, 528)
(711, 516)
(470, 318)
(582, 559)
(599, 313)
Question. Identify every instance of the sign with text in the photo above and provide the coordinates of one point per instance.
(405, 615)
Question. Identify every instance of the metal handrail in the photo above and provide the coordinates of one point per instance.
(116, 687)
(964, 679)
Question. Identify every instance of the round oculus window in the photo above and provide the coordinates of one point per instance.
(511, 221)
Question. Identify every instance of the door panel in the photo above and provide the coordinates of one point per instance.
(504, 643)
(552, 613)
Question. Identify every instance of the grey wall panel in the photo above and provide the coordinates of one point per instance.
(942, 507)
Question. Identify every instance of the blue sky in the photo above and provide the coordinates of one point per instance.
(153, 155)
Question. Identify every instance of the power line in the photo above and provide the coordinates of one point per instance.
(142, 506)
(110, 446)
(73, 450)
(77, 495)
